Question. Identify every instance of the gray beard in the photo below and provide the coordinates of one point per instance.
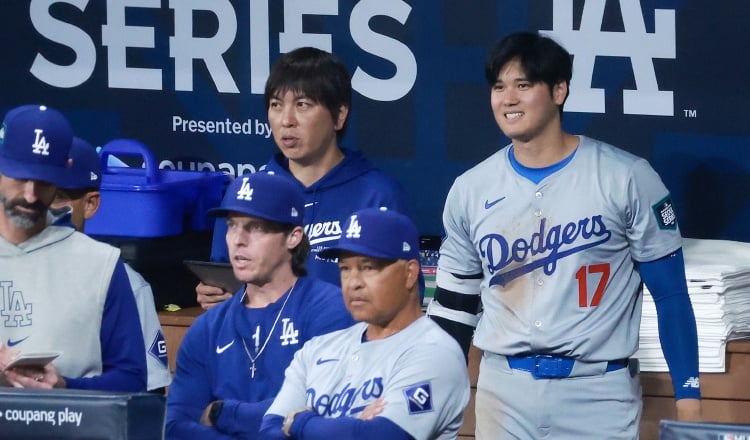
(21, 220)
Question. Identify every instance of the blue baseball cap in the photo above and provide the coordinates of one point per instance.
(378, 233)
(86, 171)
(35, 143)
(265, 196)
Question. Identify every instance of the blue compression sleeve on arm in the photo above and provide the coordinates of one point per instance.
(665, 279)
(121, 339)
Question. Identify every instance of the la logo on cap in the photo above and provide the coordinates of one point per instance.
(40, 145)
(354, 228)
(245, 192)
(2, 134)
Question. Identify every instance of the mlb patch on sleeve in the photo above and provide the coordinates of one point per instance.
(665, 215)
(419, 398)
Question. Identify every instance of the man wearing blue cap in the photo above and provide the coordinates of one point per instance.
(393, 375)
(231, 361)
(77, 200)
(59, 286)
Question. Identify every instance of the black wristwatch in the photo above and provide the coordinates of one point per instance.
(215, 411)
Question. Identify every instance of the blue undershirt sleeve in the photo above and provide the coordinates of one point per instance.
(665, 279)
(270, 428)
(121, 339)
(310, 426)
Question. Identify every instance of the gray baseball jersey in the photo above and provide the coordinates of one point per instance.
(557, 257)
(420, 372)
(153, 336)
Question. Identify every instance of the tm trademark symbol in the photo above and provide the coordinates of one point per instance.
(691, 113)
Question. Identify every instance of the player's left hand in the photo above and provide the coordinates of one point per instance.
(689, 410)
(47, 378)
(373, 409)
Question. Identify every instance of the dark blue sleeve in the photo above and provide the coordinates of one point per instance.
(665, 279)
(311, 426)
(121, 339)
(270, 428)
(219, 251)
(242, 418)
(190, 391)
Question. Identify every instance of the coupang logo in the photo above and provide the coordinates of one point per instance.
(545, 247)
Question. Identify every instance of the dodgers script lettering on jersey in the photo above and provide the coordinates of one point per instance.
(547, 246)
(322, 232)
(342, 402)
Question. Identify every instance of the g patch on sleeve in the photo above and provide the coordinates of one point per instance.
(158, 348)
(665, 215)
(419, 398)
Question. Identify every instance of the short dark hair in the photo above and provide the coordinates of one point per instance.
(541, 58)
(299, 252)
(299, 256)
(318, 74)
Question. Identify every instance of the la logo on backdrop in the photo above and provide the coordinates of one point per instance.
(635, 43)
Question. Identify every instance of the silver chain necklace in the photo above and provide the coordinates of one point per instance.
(268, 338)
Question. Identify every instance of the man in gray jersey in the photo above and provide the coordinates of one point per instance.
(395, 374)
(60, 291)
(556, 232)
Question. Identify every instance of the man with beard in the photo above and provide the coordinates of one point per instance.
(61, 291)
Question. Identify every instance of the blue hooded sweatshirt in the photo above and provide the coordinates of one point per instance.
(353, 184)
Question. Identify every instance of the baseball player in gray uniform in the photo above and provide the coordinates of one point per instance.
(556, 233)
(393, 375)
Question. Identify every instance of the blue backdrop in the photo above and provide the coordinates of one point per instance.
(664, 79)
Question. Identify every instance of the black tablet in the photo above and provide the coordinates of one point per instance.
(214, 274)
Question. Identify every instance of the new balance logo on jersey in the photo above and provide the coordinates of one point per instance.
(40, 145)
(419, 398)
(590, 42)
(665, 216)
(692, 382)
(15, 312)
(342, 402)
(354, 228)
(245, 192)
(547, 245)
(289, 336)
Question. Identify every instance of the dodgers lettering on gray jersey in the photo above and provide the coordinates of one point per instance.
(557, 257)
(420, 372)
